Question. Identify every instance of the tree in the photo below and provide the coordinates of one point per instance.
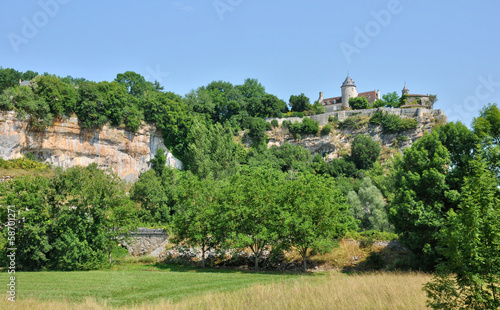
(391, 100)
(488, 123)
(422, 198)
(196, 221)
(314, 213)
(251, 88)
(250, 208)
(359, 103)
(69, 222)
(227, 99)
(135, 83)
(469, 278)
(150, 193)
(368, 207)
(60, 96)
(300, 103)
(9, 78)
(266, 106)
(211, 150)
(364, 152)
(91, 106)
(28, 197)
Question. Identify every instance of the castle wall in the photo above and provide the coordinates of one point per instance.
(342, 115)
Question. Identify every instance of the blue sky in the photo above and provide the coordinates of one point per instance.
(449, 49)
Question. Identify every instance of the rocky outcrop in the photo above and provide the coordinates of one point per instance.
(339, 141)
(65, 144)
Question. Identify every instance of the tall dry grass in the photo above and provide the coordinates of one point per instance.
(333, 291)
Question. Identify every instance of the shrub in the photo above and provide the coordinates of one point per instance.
(353, 123)
(326, 130)
(309, 126)
(286, 124)
(269, 126)
(359, 103)
(393, 123)
(275, 123)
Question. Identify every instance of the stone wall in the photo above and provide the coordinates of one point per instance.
(342, 115)
(65, 144)
(146, 242)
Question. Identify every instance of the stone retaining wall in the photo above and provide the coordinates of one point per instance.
(342, 115)
(145, 241)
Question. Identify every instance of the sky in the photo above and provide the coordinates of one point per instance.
(450, 49)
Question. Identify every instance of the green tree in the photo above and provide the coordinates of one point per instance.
(211, 151)
(227, 99)
(28, 197)
(135, 84)
(422, 198)
(300, 103)
(359, 103)
(391, 100)
(251, 88)
(314, 214)
(250, 209)
(9, 78)
(197, 219)
(368, 207)
(364, 152)
(488, 123)
(469, 278)
(91, 106)
(60, 96)
(266, 106)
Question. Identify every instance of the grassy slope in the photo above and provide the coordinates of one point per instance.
(326, 291)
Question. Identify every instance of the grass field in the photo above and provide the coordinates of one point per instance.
(171, 287)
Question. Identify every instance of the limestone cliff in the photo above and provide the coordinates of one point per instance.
(65, 144)
(339, 141)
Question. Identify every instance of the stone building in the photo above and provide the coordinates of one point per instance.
(348, 91)
(415, 100)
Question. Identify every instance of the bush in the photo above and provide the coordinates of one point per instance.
(309, 126)
(269, 126)
(326, 130)
(275, 123)
(359, 103)
(353, 123)
(393, 123)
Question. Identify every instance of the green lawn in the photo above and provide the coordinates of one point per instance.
(135, 284)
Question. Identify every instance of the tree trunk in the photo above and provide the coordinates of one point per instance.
(304, 261)
(203, 256)
(109, 256)
(256, 261)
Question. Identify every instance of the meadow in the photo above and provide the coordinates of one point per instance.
(145, 286)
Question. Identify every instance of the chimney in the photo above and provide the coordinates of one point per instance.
(320, 100)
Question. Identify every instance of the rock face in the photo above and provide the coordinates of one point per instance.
(65, 144)
(339, 141)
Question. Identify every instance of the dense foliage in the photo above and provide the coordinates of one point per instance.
(69, 222)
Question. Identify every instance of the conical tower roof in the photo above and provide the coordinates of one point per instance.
(348, 82)
(405, 90)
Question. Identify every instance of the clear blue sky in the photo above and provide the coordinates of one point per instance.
(451, 49)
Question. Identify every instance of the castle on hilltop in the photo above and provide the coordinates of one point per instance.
(349, 91)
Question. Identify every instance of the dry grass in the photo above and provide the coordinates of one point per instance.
(333, 291)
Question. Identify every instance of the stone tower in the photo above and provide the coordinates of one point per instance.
(405, 90)
(348, 91)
